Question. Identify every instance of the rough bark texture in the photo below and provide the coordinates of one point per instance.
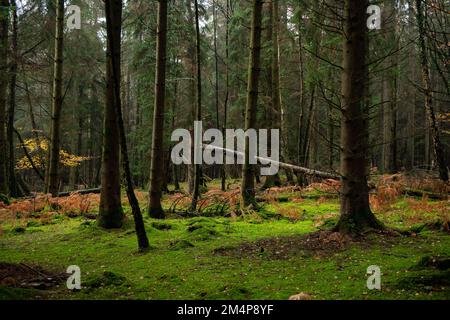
(14, 190)
(248, 170)
(110, 211)
(4, 22)
(432, 122)
(273, 118)
(57, 101)
(227, 91)
(390, 92)
(356, 215)
(198, 113)
(134, 203)
(191, 49)
(155, 209)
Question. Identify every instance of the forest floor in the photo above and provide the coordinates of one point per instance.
(284, 249)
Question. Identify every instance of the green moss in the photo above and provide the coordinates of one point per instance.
(183, 266)
(180, 244)
(8, 293)
(18, 230)
(4, 199)
(162, 226)
(107, 278)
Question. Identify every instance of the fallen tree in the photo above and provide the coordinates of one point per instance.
(306, 171)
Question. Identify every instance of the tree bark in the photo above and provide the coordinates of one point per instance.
(13, 187)
(227, 91)
(356, 215)
(248, 170)
(155, 209)
(4, 26)
(110, 210)
(191, 53)
(437, 145)
(273, 117)
(198, 114)
(57, 101)
(134, 203)
(390, 93)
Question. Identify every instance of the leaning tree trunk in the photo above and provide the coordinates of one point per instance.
(356, 215)
(57, 100)
(134, 203)
(110, 211)
(438, 149)
(155, 209)
(248, 170)
(4, 23)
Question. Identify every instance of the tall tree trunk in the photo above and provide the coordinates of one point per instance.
(4, 24)
(390, 93)
(227, 92)
(277, 95)
(273, 116)
(216, 85)
(74, 173)
(90, 140)
(135, 209)
(110, 211)
(198, 114)
(330, 139)
(155, 209)
(300, 137)
(13, 187)
(191, 52)
(57, 101)
(437, 145)
(356, 215)
(248, 170)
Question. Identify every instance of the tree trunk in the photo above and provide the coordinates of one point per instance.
(191, 53)
(227, 92)
(155, 209)
(198, 113)
(4, 24)
(135, 209)
(437, 145)
(300, 137)
(13, 187)
(110, 211)
(356, 215)
(273, 117)
(57, 101)
(390, 92)
(248, 173)
(282, 116)
(74, 175)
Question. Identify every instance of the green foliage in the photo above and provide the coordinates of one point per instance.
(18, 230)
(4, 199)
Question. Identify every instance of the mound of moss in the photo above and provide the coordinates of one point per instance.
(203, 229)
(162, 226)
(106, 279)
(180, 244)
